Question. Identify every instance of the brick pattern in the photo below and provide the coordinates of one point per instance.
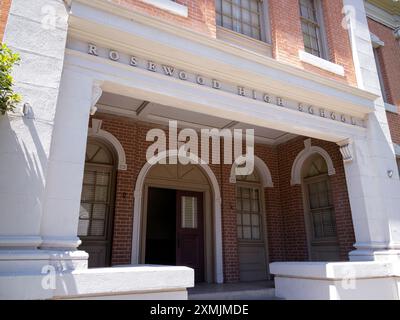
(229, 230)
(286, 235)
(201, 14)
(389, 59)
(292, 201)
(287, 37)
(4, 10)
(273, 214)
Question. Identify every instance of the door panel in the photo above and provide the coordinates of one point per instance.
(252, 262)
(320, 215)
(251, 245)
(190, 232)
(97, 205)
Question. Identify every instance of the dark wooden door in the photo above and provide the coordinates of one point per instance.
(189, 232)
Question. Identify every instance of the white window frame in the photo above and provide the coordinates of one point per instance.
(265, 24)
(380, 74)
(170, 6)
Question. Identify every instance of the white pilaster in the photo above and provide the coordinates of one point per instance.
(25, 139)
(374, 195)
(78, 94)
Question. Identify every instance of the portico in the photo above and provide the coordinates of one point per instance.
(124, 76)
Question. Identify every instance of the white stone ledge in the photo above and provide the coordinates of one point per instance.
(334, 270)
(123, 281)
(336, 280)
(321, 63)
(170, 6)
(396, 149)
(391, 108)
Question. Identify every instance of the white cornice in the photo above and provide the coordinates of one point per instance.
(381, 16)
(214, 43)
(149, 37)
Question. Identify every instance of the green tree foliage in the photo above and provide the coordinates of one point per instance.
(8, 98)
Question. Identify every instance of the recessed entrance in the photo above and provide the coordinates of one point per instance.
(174, 231)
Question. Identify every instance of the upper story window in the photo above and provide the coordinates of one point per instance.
(380, 73)
(311, 25)
(242, 16)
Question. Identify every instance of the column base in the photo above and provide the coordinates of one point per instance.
(336, 280)
(34, 261)
(390, 255)
(30, 273)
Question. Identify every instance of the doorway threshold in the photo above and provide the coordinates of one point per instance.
(254, 290)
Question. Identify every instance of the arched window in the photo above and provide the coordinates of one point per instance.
(251, 227)
(97, 203)
(319, 210)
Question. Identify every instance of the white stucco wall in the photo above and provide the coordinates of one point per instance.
(374, 196)
(25, 142)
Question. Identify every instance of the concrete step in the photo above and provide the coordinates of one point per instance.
(261, 290)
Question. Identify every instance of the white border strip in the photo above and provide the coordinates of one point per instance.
(321, 63)
(391, 108)
(170, 6)
(396, 149)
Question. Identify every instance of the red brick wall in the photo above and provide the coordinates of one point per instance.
(389, 59)
(273, 213)
(287, 37)
(292, 201)
(283, 203)
(201, 14)
(4, 10)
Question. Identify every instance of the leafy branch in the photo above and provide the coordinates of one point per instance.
(8, 98)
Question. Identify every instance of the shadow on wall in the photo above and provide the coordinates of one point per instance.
(24, 163)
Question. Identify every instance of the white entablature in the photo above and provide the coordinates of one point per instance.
(113, 27)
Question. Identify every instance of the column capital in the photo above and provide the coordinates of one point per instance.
(97, 91)
(346, 150)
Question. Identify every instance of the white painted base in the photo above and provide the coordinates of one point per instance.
(375, 255)
(337, 280)
(131, 282)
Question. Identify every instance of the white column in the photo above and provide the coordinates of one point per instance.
(371, 174)
(37, 30)
(78, 94)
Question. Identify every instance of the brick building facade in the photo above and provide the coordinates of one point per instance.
(321, 95)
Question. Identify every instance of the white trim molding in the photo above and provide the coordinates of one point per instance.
(263, 170)
(138, 206)
(96, 132)
(381, 16)
(303, 156)
(321, 63)
(391, 108)
(170, 6)
(396, 149)
(397, 33)
(376, 41)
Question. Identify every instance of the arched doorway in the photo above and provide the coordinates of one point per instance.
(177, 219)
(251, 227)
(319, 210)
(97, 203)
(214, 267)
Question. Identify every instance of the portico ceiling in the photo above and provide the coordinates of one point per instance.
(160, 114)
